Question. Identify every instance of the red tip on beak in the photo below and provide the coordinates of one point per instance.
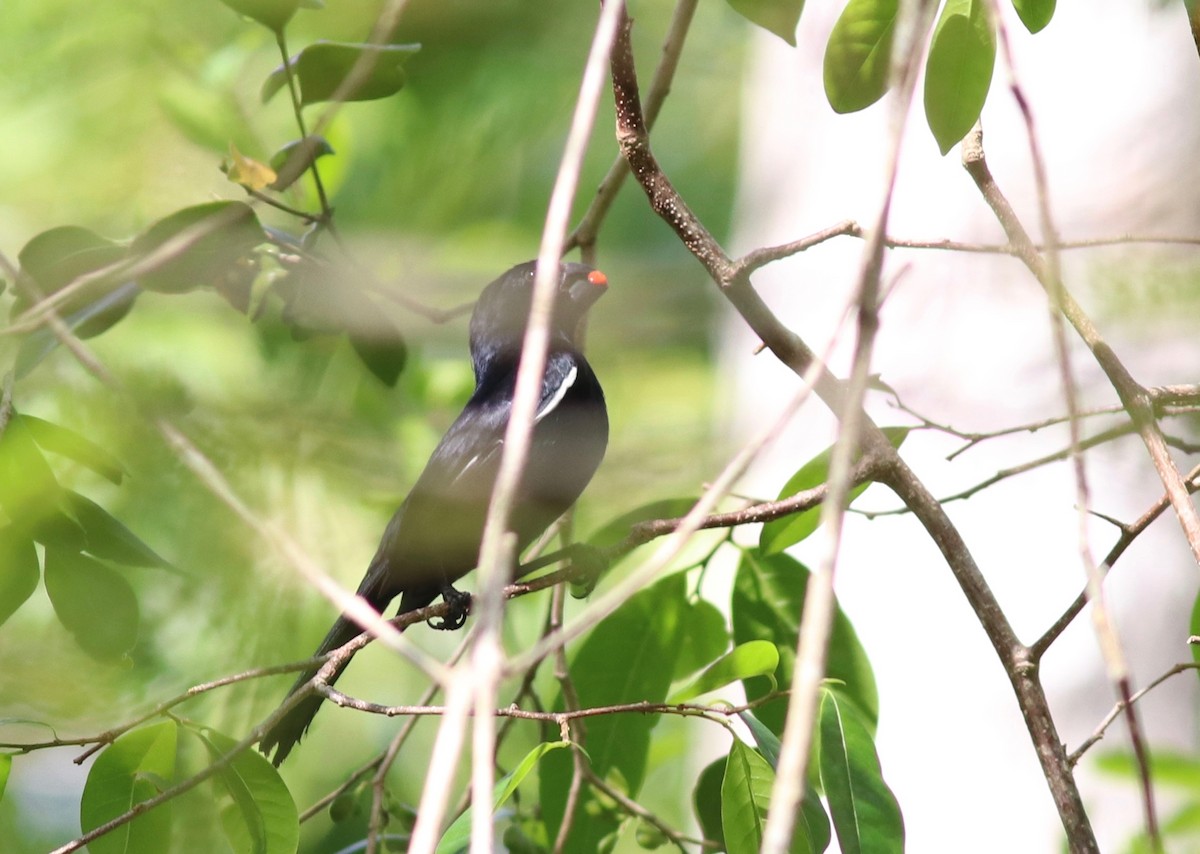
(598, 279)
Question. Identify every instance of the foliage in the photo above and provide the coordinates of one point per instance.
(314, 369)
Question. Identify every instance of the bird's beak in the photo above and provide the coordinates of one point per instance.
(585, 285)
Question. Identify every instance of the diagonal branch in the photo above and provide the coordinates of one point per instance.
(1136, 399)
(734, 283)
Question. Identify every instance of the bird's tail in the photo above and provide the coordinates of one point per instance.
(288, 730)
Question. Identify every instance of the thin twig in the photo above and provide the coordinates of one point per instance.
(1116, 711)
(1133, 395)
(1128, 534)
(794, 353)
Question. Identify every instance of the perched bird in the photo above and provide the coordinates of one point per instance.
(434, 538)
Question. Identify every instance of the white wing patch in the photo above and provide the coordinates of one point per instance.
(559, 394)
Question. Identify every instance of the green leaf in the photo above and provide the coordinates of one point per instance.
(706, 637)
(258, 814)
(859, 54)
(291, 161)
(382, 350)
(107, 538)
(767, 741)
(629, 657)
(958, 72)
(1167, 767)
(29, 492)
(56, 258)
(19, 570)
(753, 658)
(782, 533)
(768, 597)
(775, 16)
(458, 836)
(129, 771)
(1034, 14)
(1194, 625)
(706, 800)
(89, 321)
(67, 443)
(94, 603)
(272, 14)
(5, 769)
(321, 67)
(207, 242)
(745, 803)
(864, 810)
(745, 796)
(317, 301)
(615, 531)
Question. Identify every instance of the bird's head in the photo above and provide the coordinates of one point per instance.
(502, 310)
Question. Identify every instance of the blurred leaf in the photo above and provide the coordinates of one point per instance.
(19, 570)
(1168, 767)
(706, 800)
(56, 258)
(94, 603)
(786, 531)
(649, 837)
(260, 816)
(206, 240)
(87, 322)
(247, 171)
(321, 67)
(316, 301)
(775, 16)
(858, 56)
(272, 14)
(5, 769)
(745, 802)
(1034, 14)
(706, 636)
(127, 772)
(67, 443)
(29, 492)
(958, 72)
(753, 658)
(458, 836)
(107, 538)
(612, 533)
(291, 161)
(767, 741)
(864, 810)
(383, 350)
(768, 597)
(208, 117)
(236, 285)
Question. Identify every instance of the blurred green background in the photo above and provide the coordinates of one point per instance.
(115, 115)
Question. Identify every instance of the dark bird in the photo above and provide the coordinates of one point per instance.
(434, 538)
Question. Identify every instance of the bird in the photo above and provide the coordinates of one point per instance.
(433, 539)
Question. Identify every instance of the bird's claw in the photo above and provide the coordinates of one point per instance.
(458, 604)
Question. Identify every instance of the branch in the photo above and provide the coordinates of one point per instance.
(1136, 399)
(1128, 534)
(791, 350)
(1078, 752)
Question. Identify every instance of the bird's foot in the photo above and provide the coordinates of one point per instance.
(458, 605)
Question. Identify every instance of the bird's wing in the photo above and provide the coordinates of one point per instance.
(435, 535)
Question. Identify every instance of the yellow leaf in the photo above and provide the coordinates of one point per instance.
(249, 172)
